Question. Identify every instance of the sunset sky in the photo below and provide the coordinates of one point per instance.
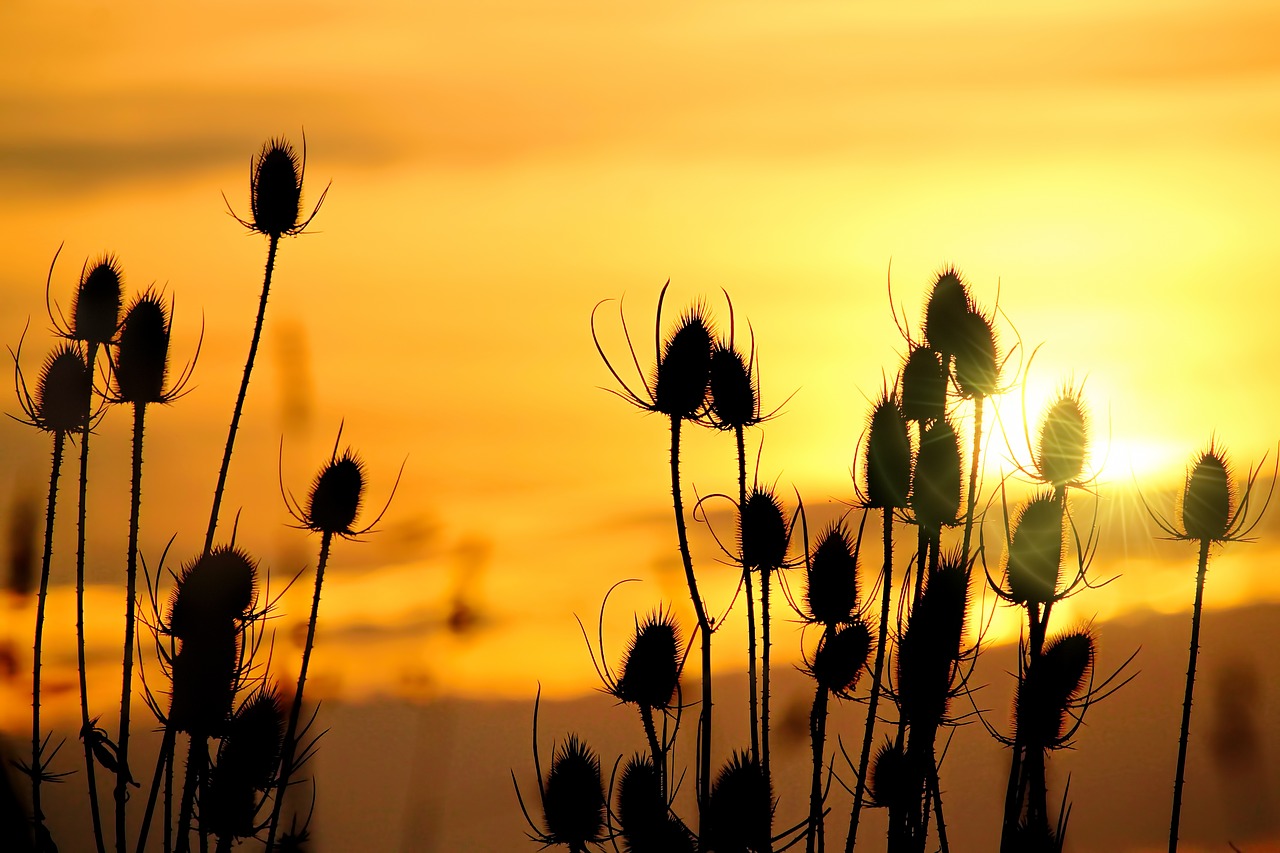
(1106, 171)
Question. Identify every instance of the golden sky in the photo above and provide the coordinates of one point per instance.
(1107, 171)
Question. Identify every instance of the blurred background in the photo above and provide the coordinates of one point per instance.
(1103, 175)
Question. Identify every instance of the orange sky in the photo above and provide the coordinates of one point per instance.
(497, 168)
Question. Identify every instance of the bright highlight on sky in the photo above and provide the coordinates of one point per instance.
(1103, 173)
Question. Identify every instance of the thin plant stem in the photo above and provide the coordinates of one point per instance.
(274, 242)
(751, 607)
(818, 734)
(295, 709)
(37, 765)
(973, 476)
(764, 672)
(1179, 779)
(131, 581)
(944, 847)
(197, 762)
(659, 754)
(85, 725)
(869, 733)
(162, 764)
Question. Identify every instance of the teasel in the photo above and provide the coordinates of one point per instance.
(886, 486)
(332, 507)
(740, 811)
(61, 406)
(248, 757)
(832, 596)
(948, 302)
(924, 386)
(276, 177)
(935, 492)
(645, 821)
(1061, 450)
(677, 387)
(1211, 511)
(140, 374)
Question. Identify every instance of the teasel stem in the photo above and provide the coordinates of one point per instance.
(90, 765)
(936, 788)
(197, 764)
(818, 735)
(274, 242)
(704, 628)
(869, 733)
(162, 764)
(764, 667)
(973, 475)
(37, 767)
(131, 582)
(295, 709)
(659, 754)
(751, 607)
(1179, 779)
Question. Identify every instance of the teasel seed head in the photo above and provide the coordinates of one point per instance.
(930, 645)
(935, 487)
(142, 358)
(275, 189)
(647, 824)
(204, 680)
(948, 303)
(887, 468)
(977, 364)
(833, 577)
(889, 776)
(95, 312)
(762, 531)
(247, 762)
(841, 656)
(217, 588)
(1208, 499)
(336, 494)
(1050, 685)
(573, 798)
(740, 813)
(924, 386)
(651, 666)
(62, 392)
(1064, 437)
(735, 399)
(684, 370)
(1036, 550)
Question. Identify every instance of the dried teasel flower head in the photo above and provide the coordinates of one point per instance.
(832, 594)
(762, 531)
(931, 644)
(141, 362)
(977, 362)
(935, 485)
(948, 302)
(889, 776)
(1036, 550)
(734, 395)
(205, 675)
(1208, 499)
(924, 386)
(887, 460)
(335, 495)
(740, 813)
(651, 666)
(275, 190)
(573, 801)
(1051, 684)
(61, 403)
(95, 311)
(215, 589)
(247, 762)
(646, 822)
(841, 657)
(1064, 438)
(684, 368)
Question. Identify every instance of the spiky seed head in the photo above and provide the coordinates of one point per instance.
(142, 358)
(887, 468)
(335, 495)
(1064, 437)
(573, 798)
(833, 577)
(647, 824)
(977, 364)
(841, 657)
(204, 680)
(1207, 498)
(762, 531)
(1050, 685)
(930, 645)
(215, 589)
(275, 189)
(247, 759)
(684, 370)
(935, 487)
(63, 391)
(1036, 550)
(740, 813)
(651, 666)
(734, 398)
(95, 312)
(924, 386)
(888, 782)
(948, 302)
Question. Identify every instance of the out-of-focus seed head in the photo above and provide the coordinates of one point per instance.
(924, 386)
(977, 364)
(275, 189)
(215, 589)
(930, 645)
(1036, 550)
(142, 357)
(1064, 437)
(573, 797)
(762, 531)
(841, 657)
(935, 488)
(833, 577)
(1050, 685)
(204, 680)
(247, 760)
(95, 312)
(740, 814)
(887, 468)
(335, 496)
(1208, 499)
(651, 666)
(684, 370)
(62, 391)
(948, 302)
(734, 397)
(889, 776)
